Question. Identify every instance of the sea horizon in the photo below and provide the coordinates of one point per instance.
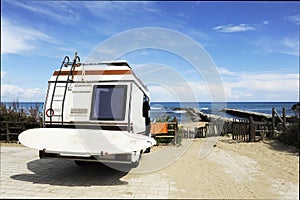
(178, 102)
(167, 108)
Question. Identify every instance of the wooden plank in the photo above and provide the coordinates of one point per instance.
(14, 128)
(164, 136)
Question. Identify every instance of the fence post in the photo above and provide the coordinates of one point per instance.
(252, 130)
(176, 133)
(273, 122)
(7, 132)
(233, 129)
(244, 130)
(284, 117)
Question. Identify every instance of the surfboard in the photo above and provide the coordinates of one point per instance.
(84, 142)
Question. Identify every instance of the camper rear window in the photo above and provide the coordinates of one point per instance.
(109, 102)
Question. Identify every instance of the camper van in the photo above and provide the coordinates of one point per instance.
(93, 112)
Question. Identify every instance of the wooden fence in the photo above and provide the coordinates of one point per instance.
(246, 130)
(241, 130)
(250, 131)
(213, 129)
(10, 130)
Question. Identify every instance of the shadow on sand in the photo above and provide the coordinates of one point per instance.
(274, 144)
(67, 173)
(280, 146)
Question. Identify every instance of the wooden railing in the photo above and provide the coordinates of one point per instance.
(10, 130)
(246, 130)
(250, 130)
(276, 117)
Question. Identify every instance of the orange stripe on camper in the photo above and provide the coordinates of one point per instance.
(159, 128)
(95, 72)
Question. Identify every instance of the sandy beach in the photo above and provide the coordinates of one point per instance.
(261, 170)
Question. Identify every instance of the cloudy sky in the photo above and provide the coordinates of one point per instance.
(253, 45)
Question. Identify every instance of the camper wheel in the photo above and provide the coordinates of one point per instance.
(137, 162)
(147, 150)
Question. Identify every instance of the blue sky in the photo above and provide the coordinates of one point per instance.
(254, 45)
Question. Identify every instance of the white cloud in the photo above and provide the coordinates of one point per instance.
(262, 86)
(13, 92)
(287, 45)
(108, 9)
(180, 91)
(3, 74)
(291, 46)
(62, 12)
(231, 28)
(226, 72)
(182, 15)
(294, 18)
(18, 39)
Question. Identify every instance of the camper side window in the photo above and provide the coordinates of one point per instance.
(109, 102)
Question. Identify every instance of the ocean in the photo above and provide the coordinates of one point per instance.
(165, 109)
(159, 109)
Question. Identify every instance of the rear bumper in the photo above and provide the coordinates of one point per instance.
(113, 158)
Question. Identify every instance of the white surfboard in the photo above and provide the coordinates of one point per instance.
(84, 142)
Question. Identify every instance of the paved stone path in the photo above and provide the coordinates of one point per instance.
(24, 175)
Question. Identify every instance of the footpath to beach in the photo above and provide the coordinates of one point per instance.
(262, 170)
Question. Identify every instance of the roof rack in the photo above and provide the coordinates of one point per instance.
(111, 63)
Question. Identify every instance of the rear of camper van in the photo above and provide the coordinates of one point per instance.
(94, 112)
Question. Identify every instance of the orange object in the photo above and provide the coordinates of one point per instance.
(159, 128)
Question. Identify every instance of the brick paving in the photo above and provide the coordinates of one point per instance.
(24, 175)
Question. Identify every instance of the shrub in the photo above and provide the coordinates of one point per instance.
(164, 118)
(14, 113)
(291, 135)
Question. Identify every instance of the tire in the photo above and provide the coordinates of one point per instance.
(147, 150)
(41, 154)
(137, 162)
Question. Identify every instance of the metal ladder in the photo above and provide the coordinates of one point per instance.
(65, 63)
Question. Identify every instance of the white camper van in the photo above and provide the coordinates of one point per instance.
(93, 112)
